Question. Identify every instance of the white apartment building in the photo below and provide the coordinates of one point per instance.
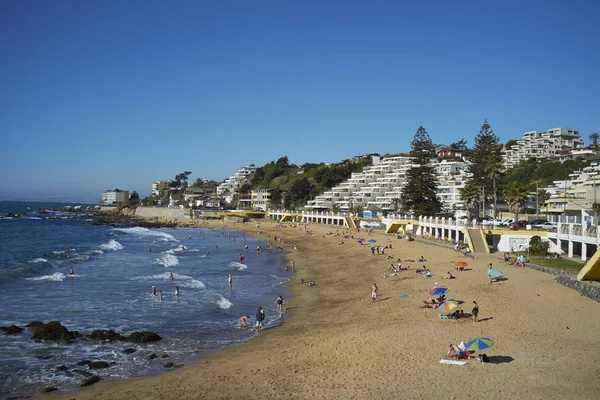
(115, 198)
(236, 180)
(536, 144)
(379, 185)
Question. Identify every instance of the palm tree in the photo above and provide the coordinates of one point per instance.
(516, 195)
(594, 138)
(495, 172)
(396, 203)
(335, 208)
(542, 197)
(470, 196)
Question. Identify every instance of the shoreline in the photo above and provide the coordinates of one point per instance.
(341, 345)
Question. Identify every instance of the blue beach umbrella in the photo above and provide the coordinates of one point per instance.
(495, 273)
(479, 344)
(438, 291)
(371, 240)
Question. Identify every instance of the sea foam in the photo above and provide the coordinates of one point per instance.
(167, 260)
(179, 280)
(138, 230)
(56, 277)
(112, 245)
(223, 303)
(238, 266)
(39, 260)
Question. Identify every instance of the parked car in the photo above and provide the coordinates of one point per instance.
(545, 225)
(507, 222)
(519, 224)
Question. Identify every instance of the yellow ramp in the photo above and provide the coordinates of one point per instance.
(350, 222)
(393, 228)
(477, 241)
(591, 269)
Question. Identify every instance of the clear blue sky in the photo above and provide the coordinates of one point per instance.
(119, 94)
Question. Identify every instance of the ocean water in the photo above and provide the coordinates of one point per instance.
(111, 289)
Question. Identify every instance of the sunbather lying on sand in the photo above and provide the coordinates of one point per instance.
(455, 352)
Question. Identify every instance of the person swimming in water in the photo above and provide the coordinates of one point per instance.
(176, 290)
(160, 295)
(71, 271)
(153, 290)
(171, 277)
(244, 319)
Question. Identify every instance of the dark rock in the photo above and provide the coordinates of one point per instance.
(84, 373)
(89, 381)
(144, 337)
(45, 357)
(98, 364)
(49, 389)
(83, 362)
(129, 351)
(34, 324)
(62, 368)
(107, 335)
(52, 331)
(11, 330)
(151, 356)
(164, 355)
(169, 365)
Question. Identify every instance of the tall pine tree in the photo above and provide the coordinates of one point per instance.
(419, 195)
(486, 164)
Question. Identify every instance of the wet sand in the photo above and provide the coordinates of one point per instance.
(339, 344)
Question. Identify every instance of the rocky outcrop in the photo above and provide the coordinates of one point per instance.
(11, 330)
(89, 381)
(143, 337)
(169, 365)
(53, 330)
(84, 373)
(49, 389)
(98, 365)
(62, 368)
(34, 324)
(129, 351)
(107, 335)
(150, 356)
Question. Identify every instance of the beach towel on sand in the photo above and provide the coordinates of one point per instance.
(453, 362)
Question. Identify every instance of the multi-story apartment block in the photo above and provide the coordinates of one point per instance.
(236, 180)
(381, 184)
(115, 198)
(536, 144)
(159, 187)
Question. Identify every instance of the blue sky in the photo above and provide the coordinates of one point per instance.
(119, 94)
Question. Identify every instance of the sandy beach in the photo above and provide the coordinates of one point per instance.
(338, 344)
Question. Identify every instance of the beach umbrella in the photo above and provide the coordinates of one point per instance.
(461, 264)
(448, 306)
(438, 291)
(372, 240)
(494, 273)
(479, 344)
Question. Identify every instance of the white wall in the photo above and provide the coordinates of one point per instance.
(510, 243)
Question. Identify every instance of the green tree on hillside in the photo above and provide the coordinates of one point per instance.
(511, 143)
(419, 193)
(486, 162)
(516, 196)
(134, 199)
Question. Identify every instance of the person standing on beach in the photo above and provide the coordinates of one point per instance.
(475, 311)
(260, 316)
(279, 302)
(374, 292)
